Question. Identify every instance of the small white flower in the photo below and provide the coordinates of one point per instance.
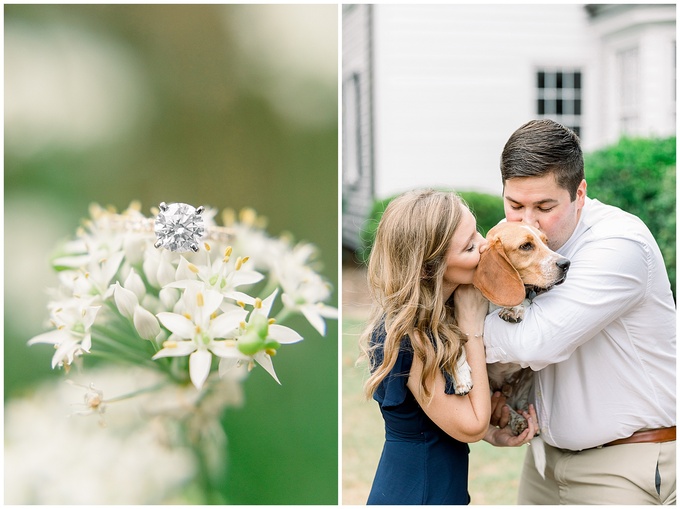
(73, 322)
(223, 276)
(199, 328)
(259, 339)
(304, 290)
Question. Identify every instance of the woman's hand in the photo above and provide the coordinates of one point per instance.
(504, 437)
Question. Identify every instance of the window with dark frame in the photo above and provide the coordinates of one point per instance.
(559, 96)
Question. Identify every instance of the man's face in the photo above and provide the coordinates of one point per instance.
(540, 202)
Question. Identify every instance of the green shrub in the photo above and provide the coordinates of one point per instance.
(487, 208)
(638, 176)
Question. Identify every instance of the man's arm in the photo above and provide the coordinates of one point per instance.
(605, 280)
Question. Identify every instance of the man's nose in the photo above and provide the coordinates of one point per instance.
(530, 218)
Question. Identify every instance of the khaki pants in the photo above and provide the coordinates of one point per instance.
(619, 474)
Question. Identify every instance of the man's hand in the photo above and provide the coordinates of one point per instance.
(504, 437)
(500, 413)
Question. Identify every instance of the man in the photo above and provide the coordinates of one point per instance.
(602, 344)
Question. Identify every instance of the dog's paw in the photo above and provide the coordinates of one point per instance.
(463, 378)
(512, 315)
(517, 423)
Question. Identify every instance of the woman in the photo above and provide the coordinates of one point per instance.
(428, 318)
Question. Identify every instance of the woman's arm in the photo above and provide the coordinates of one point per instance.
(465, 418)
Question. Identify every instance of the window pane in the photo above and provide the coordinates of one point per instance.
(541, 106)
(558, 77)
(577, 107)
(558, 106)
(541, 80)
(577, 80)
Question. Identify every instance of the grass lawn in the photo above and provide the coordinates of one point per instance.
(494, 472)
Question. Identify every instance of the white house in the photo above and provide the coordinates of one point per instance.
(431, 93)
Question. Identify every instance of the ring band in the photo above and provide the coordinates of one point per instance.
(178, 227)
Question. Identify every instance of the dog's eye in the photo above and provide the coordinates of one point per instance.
(527, 246)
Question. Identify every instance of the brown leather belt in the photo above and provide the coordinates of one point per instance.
(656, 436)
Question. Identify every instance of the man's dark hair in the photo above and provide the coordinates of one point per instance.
(541, 147)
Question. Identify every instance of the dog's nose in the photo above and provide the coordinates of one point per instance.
(563, 264)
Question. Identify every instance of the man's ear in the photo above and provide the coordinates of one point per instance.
(497, 279)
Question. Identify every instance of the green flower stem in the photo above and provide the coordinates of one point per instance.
(119, 350)
(133, 394)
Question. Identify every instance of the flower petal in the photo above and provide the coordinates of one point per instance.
(265, 361)
(239, 296)
(233, 367)
(53, 337)
(313, 316)
(226, 350)
(246, 277)
(212, 301)
(178, 324)
(267, 303)
(199, 367)
(283, 334)
(221, 326)
(175, 349)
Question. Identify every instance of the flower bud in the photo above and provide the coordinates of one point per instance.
(146, 323)
(135, 284)
(126, 301)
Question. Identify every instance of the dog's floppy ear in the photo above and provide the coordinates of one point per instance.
(497, 279)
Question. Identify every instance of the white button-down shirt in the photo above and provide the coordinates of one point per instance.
(604, 340)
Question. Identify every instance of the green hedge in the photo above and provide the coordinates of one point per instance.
(638, 176)
(487, 208)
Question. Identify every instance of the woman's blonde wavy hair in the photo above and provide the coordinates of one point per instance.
(405, 277)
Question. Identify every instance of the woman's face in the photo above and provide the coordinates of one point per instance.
(462, 257)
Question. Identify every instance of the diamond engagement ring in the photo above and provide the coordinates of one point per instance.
(180, 228)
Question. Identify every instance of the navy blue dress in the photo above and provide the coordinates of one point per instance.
(420, 463)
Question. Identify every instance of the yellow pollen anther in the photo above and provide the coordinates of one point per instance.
(206, 246)
(193, 268)
(228, 251)
(213, 316)
(136, 205)
(228, 217)
(271, 321)
(61, 327)
(239, 262)
(270, 351)
(187, 316)
(258, 303)
(242, 304)
(245, 259)
(247, 216)
(198, 329)
(199, 299)
(170, 344)
(242, 325)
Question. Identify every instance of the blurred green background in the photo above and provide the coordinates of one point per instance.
(222, 105)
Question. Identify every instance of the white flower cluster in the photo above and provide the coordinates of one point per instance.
(122, 299)
(137, 459)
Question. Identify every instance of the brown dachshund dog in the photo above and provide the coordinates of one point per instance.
(517, 266)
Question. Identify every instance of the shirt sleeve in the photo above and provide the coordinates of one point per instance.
(606, 279)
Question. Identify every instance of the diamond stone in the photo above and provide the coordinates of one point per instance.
(179, 227)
